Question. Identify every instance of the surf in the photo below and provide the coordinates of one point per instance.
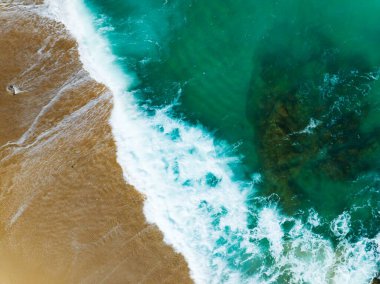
(225, 230)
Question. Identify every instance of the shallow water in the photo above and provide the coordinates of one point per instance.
(291, 88)
(63, 216)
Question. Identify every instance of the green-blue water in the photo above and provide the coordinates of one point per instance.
(291, 85)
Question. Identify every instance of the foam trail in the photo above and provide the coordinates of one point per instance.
(191, 193)
(174, 174)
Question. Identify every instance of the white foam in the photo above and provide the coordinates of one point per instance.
(357, 261)
(269, 227)
(151, 159)
(173, 176)
(94, 51)
(191, 194)
(340, 226)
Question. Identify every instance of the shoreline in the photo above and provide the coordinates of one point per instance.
(67, 209)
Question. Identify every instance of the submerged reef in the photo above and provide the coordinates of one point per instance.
(312, 108)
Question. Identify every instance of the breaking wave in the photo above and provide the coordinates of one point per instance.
(226, 232)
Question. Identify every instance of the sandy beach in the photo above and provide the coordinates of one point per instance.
(66, 214)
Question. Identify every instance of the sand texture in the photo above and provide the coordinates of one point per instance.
(66, 214)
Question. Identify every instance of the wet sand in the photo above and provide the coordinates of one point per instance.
(66, 214)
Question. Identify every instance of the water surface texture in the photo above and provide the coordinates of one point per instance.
(287, 92)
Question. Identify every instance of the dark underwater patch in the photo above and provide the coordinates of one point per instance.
(307, 106)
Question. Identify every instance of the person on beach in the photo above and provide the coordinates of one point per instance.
(11, 89)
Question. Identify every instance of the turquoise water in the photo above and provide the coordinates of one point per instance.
(291, 86)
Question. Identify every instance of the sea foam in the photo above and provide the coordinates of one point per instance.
(191, 193)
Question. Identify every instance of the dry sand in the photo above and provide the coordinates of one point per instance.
(66, 214)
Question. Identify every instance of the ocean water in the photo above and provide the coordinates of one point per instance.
(252, 127)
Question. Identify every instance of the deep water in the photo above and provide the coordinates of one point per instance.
(291, 86)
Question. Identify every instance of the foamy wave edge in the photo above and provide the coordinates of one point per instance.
(172, 174)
